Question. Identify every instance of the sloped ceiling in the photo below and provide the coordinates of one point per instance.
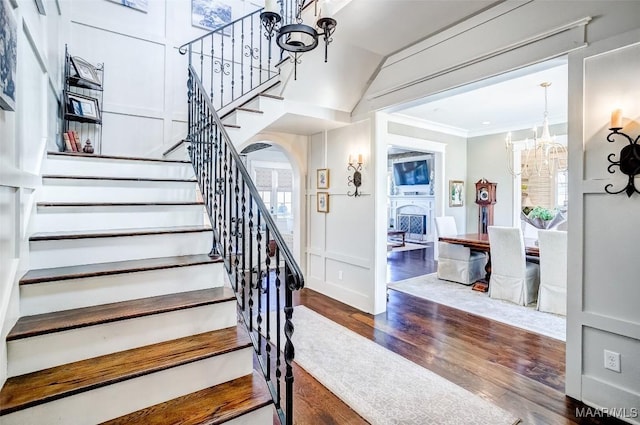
(368, 31)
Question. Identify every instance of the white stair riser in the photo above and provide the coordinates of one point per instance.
(56, 219)
(262, 416)
(73, 252)
(252, 123)
(89, 166)
(54, 349)
(60, 295)
(120, 398)
(77, 190)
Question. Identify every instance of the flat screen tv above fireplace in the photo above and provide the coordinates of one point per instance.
(411, 173)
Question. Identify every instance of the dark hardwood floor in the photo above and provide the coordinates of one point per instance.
(520, 371)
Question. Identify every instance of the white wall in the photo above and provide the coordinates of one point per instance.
(604, 292)
(340, 249)
(145, 78)
(26, 134)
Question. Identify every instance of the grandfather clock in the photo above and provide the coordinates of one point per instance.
(485, 198)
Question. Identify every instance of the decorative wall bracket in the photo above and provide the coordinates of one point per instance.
(356, 179)
(629, 162)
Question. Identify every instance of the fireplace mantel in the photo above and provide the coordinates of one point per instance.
(413, 205)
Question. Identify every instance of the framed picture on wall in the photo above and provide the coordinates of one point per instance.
(456, 193)
(323, 178)
(83, 106)
(323, 202)
(210, 15)
(85, 70)
(141, 5)
(8, 54)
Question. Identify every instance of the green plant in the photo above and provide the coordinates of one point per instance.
(541, 213)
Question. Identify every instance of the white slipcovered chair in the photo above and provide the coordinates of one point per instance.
(552, 296)
(512, 278)
(457, 263)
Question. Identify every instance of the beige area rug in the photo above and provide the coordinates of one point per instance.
(408, 246)
(384, 387)
(463, 298)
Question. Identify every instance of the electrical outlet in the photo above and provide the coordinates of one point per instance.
(612, 360)
(339, 274)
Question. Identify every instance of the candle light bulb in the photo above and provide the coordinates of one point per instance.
(616, 118)
(271, 6)
(350, 159)
(360, 159)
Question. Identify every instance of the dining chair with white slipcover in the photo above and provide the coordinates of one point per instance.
(512, 277)
(552, 296)
(457, 263)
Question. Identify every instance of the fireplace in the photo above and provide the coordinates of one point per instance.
(414, 215)
(415, 224)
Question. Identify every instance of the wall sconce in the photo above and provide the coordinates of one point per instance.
(629, 162)
(356, 179)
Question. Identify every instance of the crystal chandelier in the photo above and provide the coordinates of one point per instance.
(292, 35)
(544, 156)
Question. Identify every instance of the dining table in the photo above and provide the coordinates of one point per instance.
(480, 242)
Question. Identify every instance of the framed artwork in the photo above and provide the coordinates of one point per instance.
(323, 202)
(8, 56)
(456, 193)
(210, 14)
(83, 106)
(323, 178)
(85, 70)
(141, 5)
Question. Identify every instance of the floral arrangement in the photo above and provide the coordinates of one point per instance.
(542, 218)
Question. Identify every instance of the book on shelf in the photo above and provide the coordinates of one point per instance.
(67, 143)
(72, 141)
(76, 139)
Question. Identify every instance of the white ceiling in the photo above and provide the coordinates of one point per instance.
(511, 101)
(386, 26)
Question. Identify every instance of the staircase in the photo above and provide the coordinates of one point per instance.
(244, 121)
(125, 319)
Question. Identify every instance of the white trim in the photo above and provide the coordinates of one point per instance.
(428, 125)
(492, 54)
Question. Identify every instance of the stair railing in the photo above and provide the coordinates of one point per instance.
(261, 268)
(233, 60)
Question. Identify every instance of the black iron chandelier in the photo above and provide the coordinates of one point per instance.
(292, 35)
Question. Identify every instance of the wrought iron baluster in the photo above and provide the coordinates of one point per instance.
(250, 268)
(259, 278)
(233, 60)
(211, 72)
(244, 246)
(289, 351)
(267, 291)
(241, 58)
(237, 223)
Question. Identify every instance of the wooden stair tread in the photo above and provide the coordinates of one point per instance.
(211, 406)
(40, 324)
(231, 125)
(255, 111)
(117, 267)
(127, 158)
(116, 204)
(49, 236)
(132, 179)
(54, 383)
